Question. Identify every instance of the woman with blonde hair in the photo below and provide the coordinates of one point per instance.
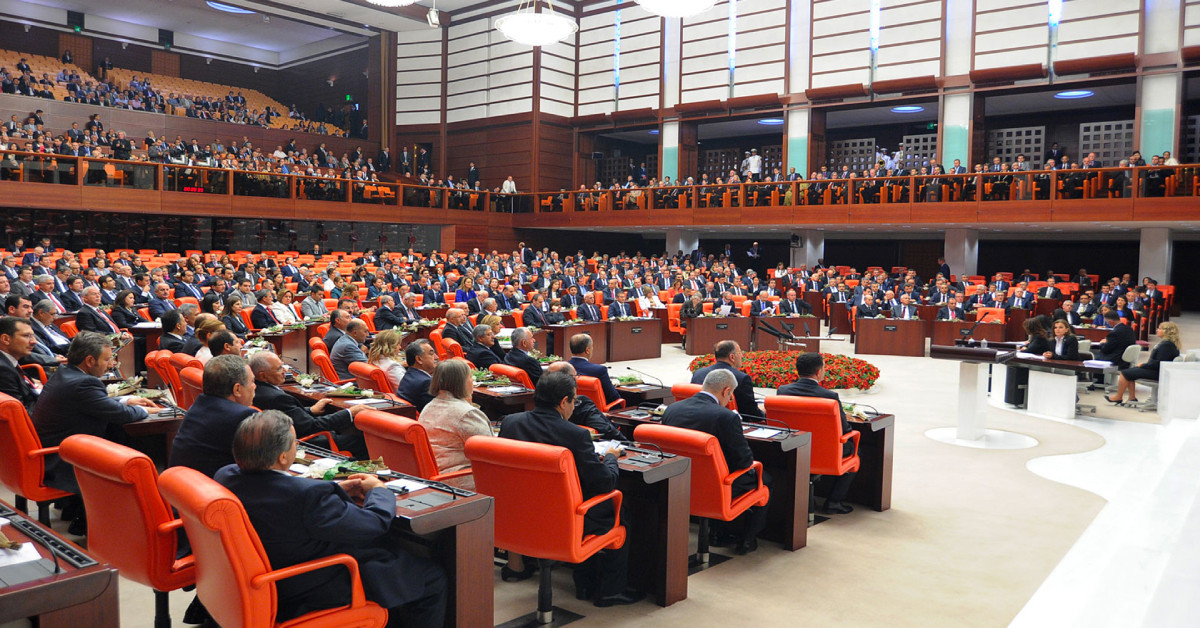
(1166, 350)
(282, 307)
(450, 418)
(385, 353)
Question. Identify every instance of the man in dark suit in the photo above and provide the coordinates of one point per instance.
(792, 306)
(480, 353)
(581, 354)
(952, 311)
(338, 320)
(16, 343)
(75, 401)
(1119, 338)
(90, 318)
(589, 311)
(299, 519)
(1020, 299)
(706, 411)
(944, 268)
(1050, 290)
(810, 368)
(762, 306)
(269, 375)
(47, 333)
(385, 315)
(261, 317)
(458, 328)
(161, 301)
(622, 306)
(205, 438)
(868, 309)
(174, 328)
(421, 358)
(604, 576)
(729, 358)
(518, 356)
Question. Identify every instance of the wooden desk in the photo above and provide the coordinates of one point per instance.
(658, 498)
(668, 336)
(705, 332)
(433, 313)
(420, 333)
(644, 393)
(639, 339)
(1046, 305)
(839, 318)
(873, 484)
(928, 312)
(1014, 322)
(77, 597)
(766, 342)
(401, 408)
(498, 405)
(789, 457)
(164, 426)
(598, 331)
(947, 332)
(459, 535)
(817, 300)
(127, 359)
(1095, 334)
(291, 345)
(890, 336)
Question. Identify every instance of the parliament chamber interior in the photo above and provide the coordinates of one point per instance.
(599, 312)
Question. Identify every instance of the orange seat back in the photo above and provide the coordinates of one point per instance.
(514, 374)
(21, 472)
(316, 342)
(191, 379)
(321, 359)
(129, 524)
(402, 443)
(246, 318)
(435, 337)
(231, 562)
(69, 328)
(369, 319)
(712, 486)
(994, 314)
(538, 482)
(682, 390)
(453, 349)
(144, 312)
(822, 417)
(370, 377)
(591, 388)
(162, 365)
(180, 361)
(673, 315)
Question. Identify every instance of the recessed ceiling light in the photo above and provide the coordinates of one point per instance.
(771, 122)
(653, 131)
(227, 8)
(1074, 94)
(908, 109)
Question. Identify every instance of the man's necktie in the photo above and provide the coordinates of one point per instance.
(58, 304)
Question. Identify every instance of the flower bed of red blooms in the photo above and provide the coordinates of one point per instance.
(772, 369)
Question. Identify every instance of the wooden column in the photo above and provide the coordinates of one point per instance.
(689, 151)
(816, 140)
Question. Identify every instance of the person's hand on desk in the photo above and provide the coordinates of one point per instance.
(150, 406)
(319, 407)
(358, 485)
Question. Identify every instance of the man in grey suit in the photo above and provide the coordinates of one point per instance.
(348, 348)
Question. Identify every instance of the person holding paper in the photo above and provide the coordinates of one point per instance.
(762, 306)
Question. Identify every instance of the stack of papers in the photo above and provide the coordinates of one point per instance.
(507, 390)
(1030, 356)
(405, 483)
(604, 445)
(764, 432)
(1097, 363)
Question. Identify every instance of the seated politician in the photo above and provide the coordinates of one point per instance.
(1165, 351)
(421, 358)
(810, 369)
(270, 374)
(518, 356)
(706, 411)
(204, 441)
(728, 356)
(300, 519)
(480, 352)
(581, 346)
(604, 576)
(450, 419)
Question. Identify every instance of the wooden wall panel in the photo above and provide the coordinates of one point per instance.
(165, 63)
(80, 47)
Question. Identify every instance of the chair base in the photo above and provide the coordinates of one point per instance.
(695, 565)
(561, 617)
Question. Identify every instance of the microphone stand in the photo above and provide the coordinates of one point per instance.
(967, 333)
(645, 374)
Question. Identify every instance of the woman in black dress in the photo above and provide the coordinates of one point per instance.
(233, 317)
(1063, 345)
(1038, 343)
(1165, 351)
(124, 310)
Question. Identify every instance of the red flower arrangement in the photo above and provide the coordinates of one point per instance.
(772, 369)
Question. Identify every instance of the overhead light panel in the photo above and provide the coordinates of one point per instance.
(908, 109)
(530, 27)
(391, 4)
(677, 8)
(228, 8)
(1074, 94)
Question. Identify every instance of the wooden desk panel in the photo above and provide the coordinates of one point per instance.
(890, 336)
(598, 331)
(657, 497)
(873, 484)
(706, 331)
(639, 339)
(947, 332)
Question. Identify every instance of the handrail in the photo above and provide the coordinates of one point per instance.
(1138, 182)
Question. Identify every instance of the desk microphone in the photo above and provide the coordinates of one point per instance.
(832, 328)
(660, 382)
(872, 408)
(807, 331)
(967, 333)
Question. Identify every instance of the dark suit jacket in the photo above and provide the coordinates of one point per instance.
(1114, 345)
(158, 306)
(205, 439)
(944, 313)
(74, 402)
(526, 363)
(298, 519)
(235, 324)
(385, 318)
(702, 413)
(616, 309)
(799, 307)
(88, 319)
(414, 387)
(805, 387)
(70, 301)
(262, 318)
(481, 356)
(743, 394)
(757, 308)
(586, 414)
(13, 384)
(589, 312)
(1070, 349)
(461, 334)
(596, 475)
(47, 340)
(269, 397)
(584, 367)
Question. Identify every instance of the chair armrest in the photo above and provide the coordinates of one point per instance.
(614, 495)
(44, 451)
(728, 480)
(616, 405)
(442, 477)
(328, 435)
(169, 527)
(357, 598)
(854, 436)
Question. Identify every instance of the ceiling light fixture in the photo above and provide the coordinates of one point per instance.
(908, 109)
(1074, 94)
(653, 131)
(532, 28)
(228, 8)
(771, 122)
(391, 4)
(677, 8)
